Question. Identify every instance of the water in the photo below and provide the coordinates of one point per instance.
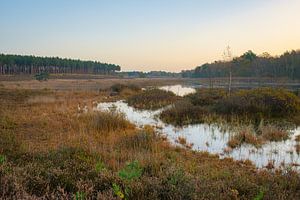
(211, 138)
(179, 89)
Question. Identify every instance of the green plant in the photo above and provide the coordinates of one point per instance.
(100, 167)
(80, 196)
(260, 195)
(131, 171)
(2, 159)
(117, 191)
(176, 177)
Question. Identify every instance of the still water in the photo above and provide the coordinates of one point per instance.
(179, 90)
(211, 138)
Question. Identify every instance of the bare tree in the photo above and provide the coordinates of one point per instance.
(227, 56)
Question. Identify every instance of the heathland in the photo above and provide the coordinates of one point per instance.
(54, 144)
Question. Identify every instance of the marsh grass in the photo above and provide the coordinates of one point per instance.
(206, 97)
(261, 102)
(124, 89)
(152, 99)
(272, 133)
(105, 121)
(51, 153)
(297, 147)
(182, 140)
(257, 136)
(297, 139)
(183, 113)
(245, 137)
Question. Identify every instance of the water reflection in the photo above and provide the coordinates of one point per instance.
(213, 138)
(179, 89)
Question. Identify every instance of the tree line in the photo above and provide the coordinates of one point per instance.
(18, 64)
(151, 74)
(250, 64)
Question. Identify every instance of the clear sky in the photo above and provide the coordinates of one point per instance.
(148, 34)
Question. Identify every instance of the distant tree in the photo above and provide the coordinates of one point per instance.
(227, 55)
(17, 64)
(249, 55)
(43, 76)
(250, 65)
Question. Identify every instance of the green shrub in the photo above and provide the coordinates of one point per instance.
(131, 171)
(2, 159)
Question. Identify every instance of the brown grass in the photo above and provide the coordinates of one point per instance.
(152, 99)
(271, 133)
(297, 139)
(297, 147)
(52, 152)
(245, 136)
(89, 83)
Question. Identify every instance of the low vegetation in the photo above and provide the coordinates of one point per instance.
(124, 89)
(183, 113)
(245, 137)
(258, 136)
(206, 97)
(152, 99)
(272, 133)
(253, 105)
(262, 102)
(105, 121)
(50, 151)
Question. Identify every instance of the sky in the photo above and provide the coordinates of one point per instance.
(146, 35)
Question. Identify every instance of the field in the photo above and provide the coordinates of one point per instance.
(53, 145)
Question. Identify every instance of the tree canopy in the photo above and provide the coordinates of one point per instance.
(251, 65)
(18, 64)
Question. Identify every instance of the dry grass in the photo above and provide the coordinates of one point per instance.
(105, 122)
(245, 136)
(86, 84)
(152, 99)
(183, 113)
(271, 133)
(52, 152)
(297, 139)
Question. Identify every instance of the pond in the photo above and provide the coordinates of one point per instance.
(179, 90)
(212, 138)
